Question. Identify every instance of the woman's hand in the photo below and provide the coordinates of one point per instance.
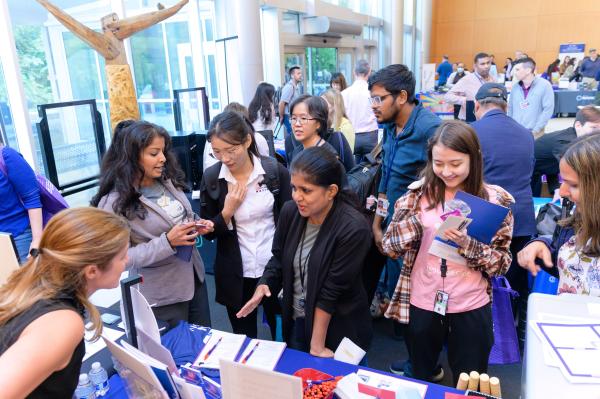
(527, 256)
(234, 198)
(205, 226)
(260, 292)
(182, 234)
(378, 237)
(460, 237)
(321, 352)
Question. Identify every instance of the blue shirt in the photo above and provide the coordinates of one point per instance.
(444, 70)
(589, 68)
(508, 161)
(405, 154)
(19, 192)
(534, 110)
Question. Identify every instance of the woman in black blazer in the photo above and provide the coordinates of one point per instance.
(319, 251)
(242, 195)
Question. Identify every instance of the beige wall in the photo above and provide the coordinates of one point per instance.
(462, 28)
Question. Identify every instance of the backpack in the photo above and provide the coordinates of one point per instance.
(364, 178)
(52, 201)
(271, 179)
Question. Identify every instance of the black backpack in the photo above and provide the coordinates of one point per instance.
(364, 178)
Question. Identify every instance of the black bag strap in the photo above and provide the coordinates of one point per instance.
(271, 178)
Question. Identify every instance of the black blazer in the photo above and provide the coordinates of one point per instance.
(229, 275)
(334, 279)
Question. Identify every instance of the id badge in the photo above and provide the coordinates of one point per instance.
(302, 302)
(441, 302)
(382, 207)
(524, 104)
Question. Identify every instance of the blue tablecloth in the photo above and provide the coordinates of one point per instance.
(185, 343)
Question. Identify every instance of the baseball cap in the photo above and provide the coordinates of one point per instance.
(491, 90)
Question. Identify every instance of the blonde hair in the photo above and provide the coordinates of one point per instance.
(72, 240)
(335, 99)
(584, 157)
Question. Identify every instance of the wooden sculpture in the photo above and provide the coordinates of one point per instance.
(122, 98)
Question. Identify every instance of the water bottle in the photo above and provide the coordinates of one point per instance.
(85, 389)
(99, 379)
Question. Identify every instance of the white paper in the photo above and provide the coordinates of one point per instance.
(227, 347)
(446, 251)
(574, 348)
(187, 390)
(348, 352)
(91, 348)
(137, 366)
(594, 309)
(156, 351)
(143, 315)
(266, 354)
(241, 381)
(391, 383)
(347, 388)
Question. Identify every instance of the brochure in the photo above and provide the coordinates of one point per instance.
(482, 218)
(221, 345)
(262, 354)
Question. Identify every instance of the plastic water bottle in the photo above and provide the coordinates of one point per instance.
(99, 379)
(85, 389)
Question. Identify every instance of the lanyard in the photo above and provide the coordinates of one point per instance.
(443, 271)
(302, 267)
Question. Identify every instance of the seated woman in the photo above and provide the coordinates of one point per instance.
(464, 322)
(319, 250)
(309, 116)
(576, 248)
(140, 180)
(242, 195)
(42, 305)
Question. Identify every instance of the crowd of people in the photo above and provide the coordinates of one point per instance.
(294, 236)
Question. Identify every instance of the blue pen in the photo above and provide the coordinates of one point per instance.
(212, 349)
(250, 354)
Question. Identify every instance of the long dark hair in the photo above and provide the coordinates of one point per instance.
(317, 109)
(261, 105)
(460, 137)
(121, 170)
(233, 128)
(320, 167)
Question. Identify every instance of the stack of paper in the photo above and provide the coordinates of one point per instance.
(262, 354)
(368, 385)
(572, 346)
(221, 345)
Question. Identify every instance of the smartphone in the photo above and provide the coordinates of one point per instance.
(109, 318)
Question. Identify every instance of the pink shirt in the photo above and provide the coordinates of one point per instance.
(466, 287)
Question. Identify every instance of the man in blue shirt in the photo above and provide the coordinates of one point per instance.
(508, 161)
(590, 66)
(407, 127)
(444, 70)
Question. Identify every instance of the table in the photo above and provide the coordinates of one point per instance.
(290, 362)
(540, 380)
(567, 101)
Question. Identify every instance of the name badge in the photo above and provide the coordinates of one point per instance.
(441, 302)
(524, 104)
(382, 207)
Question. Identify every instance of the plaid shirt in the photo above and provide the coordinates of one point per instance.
(403, 238)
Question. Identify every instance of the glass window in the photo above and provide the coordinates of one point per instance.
(8, 134)
(208, 29)
(179, 47)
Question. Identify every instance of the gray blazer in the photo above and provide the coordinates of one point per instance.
(167, 279)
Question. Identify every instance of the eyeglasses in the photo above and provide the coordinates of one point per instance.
(230, 151)
(377, 100)
(303, 120)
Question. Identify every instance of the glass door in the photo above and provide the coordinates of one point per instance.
(346, 64)
(322, 63)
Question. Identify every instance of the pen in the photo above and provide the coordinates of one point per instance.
(212, 349)
(250, 354)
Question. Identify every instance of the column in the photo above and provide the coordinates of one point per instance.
(249, 46)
